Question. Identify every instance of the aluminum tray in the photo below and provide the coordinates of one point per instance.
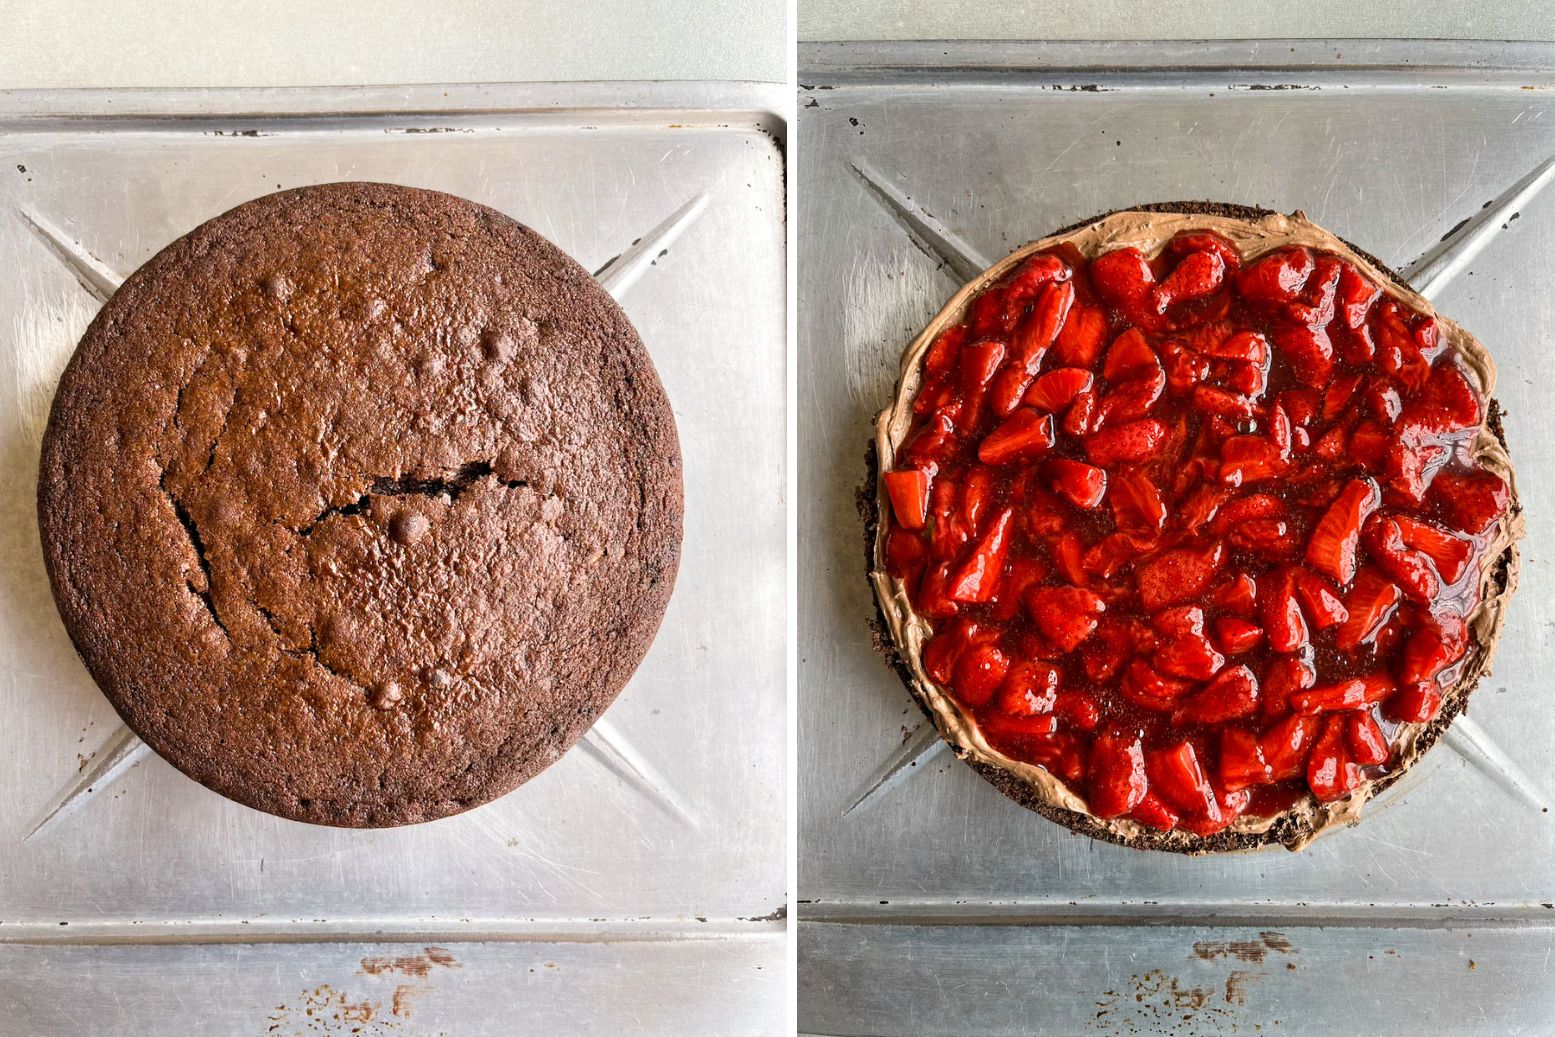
(928, 902)
(638, 884)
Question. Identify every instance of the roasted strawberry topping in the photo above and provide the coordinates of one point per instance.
(1194, 533)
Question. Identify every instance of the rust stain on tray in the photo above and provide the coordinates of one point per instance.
(418, 965)
(1253, 951)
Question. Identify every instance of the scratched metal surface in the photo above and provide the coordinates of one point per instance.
(654, 850)
(922, 163)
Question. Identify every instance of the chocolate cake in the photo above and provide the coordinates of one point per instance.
(361, 503)
(1192, 527)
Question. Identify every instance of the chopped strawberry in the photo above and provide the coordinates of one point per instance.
(1207, 399)
(1068, 552)
(1173, 577)
(1188, 655)
(1025, 434)
(1029, 689)
(1080, 420)
(905, 554)
(1065, 615)
(977, 493)
(1081, 338)
(1153, 812)
(1331, 550)
(1469, 501)
(1241, 760)
(1175, 773)
(934, 442)
(1081, 484)
(1056, 389)
(1148, 689)
(1134, 441)
(1415, 703)
(1123, 276)
(1348, 694)
(1130, 356)
(1356, 294)
(1409, 569)
(1236, 635)
(1277, 277)
(933, 596)
(1336, 399)
(1231, 695)
(980, 669)
(1331, 771)
(1035, 334)
(1249, 459)
(1371, 603)
(1136, 503)
(1238, 595)
(1368, 745)
(1440, 641)
(1105, 653)
(1284, 677)
(1283, 621)
(1448, 552)
(1131, 398)
(1308, 351)
(1197, 275)
(979, 574)
(1319, 600)
(1181, 619)
(909, 492)
(1447, 403)
(1184, 242)
(1286, 744)
(1020, 575)
(1117, 775)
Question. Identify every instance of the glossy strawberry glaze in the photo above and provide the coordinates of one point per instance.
(1195, 535)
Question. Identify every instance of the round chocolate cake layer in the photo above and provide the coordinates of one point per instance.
(361, 503)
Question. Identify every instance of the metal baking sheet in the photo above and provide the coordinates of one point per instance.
(928, 901)
(639, 883)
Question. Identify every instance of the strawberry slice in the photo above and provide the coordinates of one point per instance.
(1104, 654)
(1348, 694)
(979, 574)
(977, 491)
(1176, 774)
(1283, 621)
(1188, 655)
(1248, 346)
(1371, 603)
(1030, 689)
(1319, 600)
(933, 596)
(1356, 294)
(1277, 277)
(1447, 404)
(1133, 441)
(1286, 744)
(1331, 771)
(1056, 389)
(1136, 502)
(1448, 552)
(1409, 569)
(1231, 695)
(1037, 332)
(1368, 745)
(1032, 276)
(1241, 760)
(1131, 398)
(1415, 703)
(1025, 434)
(1173, 577)
(1336, 399)
(1469, 501)
(1068, 552)
(1236, 635)
(1081, 338)
(1081, 484)
(909, 492)
(905, 554)
(1065, 615)
(1284, 676)
(1331, 550)
(1021, 574)
(1117, 781)
(979, 671)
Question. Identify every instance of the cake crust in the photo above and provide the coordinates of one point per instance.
(361, 502)
(1293, 828)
